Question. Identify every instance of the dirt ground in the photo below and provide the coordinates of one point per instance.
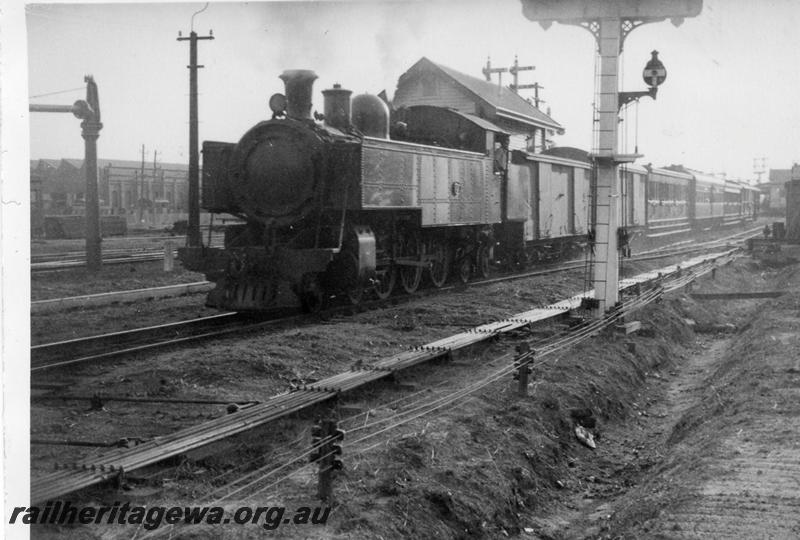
(696, 432)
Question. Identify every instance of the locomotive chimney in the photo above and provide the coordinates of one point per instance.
(299, 83)
(337, 107)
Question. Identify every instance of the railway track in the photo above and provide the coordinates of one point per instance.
(50, 356)
(70, 477)
(75, 259)
(61, 354)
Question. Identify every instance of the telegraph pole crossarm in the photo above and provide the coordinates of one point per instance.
(489, 70)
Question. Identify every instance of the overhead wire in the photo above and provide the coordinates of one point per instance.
(546, 347)
(58, 92)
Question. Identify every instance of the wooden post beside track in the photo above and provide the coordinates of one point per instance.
(327, 436)
(169, 257)
(523, 365)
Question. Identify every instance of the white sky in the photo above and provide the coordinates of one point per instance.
(730, 95)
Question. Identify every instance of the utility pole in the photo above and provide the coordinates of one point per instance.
(536, 100)
(489, 70)
(514, 70)
(193, 238)
(610, 23)
(515, 86)
(87, 110)
(155, 175)
(142, 198)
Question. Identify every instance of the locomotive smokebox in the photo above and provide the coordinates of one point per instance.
(299, 84)
(371, 116)
(337, 107)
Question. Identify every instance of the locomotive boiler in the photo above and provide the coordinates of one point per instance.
(336, 208)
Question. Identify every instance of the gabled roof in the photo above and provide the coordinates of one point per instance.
(507, 103)
(76, 163)
(45, 163)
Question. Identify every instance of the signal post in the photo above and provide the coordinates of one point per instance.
(610, 21)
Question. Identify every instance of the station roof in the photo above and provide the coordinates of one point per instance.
(508, 104)
(481, 122)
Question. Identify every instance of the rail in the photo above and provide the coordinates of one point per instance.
(56, 355)
(71, 477)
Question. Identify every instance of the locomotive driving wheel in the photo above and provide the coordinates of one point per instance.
(410, 249)
(440, 263)
(385, 279)
(463, 265)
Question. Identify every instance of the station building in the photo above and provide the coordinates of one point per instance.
(153, 196)
(429, 83)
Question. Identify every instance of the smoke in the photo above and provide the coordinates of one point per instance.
(397, 42)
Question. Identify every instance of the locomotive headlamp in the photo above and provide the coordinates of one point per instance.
(277, 104)
(654, 72)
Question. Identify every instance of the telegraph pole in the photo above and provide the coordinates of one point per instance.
(193, 238)
(514, 70)
(536, 100)
(489, 70)
(610, 23)
(142, 184)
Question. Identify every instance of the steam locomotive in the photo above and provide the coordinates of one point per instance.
(338, 208)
